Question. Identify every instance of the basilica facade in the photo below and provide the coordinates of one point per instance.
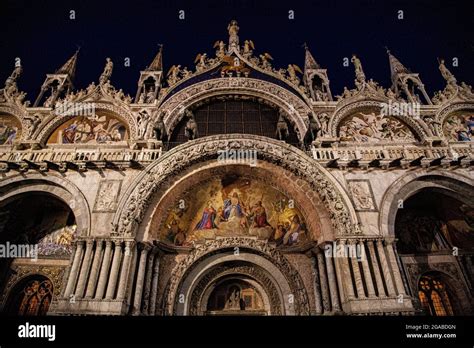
(237, 188)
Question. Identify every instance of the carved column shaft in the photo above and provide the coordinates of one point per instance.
(85, 268)
(104, 270)
(127, 258)
(367, 274)
(356, 269)
(149, 274)
(317, 286)
(154, 286)
(376, 268)
(348, 287)
(111, 286)
(140, 279)
(323, 280)
(71, 283)
(396, 271)
(91, 285)
(385, 268)
(332, 282)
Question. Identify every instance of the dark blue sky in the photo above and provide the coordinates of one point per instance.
(43, 36)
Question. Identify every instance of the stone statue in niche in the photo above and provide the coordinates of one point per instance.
(143, 121)
(159, 128)
(150, 95)
(314, 128)
(33, 123)
(282, 131)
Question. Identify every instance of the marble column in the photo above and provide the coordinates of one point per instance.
(149, 274)
(104, 270)
(323, 281)
(332, 282)
(71, 282)
(154, 286)
(127, 258)
(85, 268)
(317, 286)
(137, 301)
(395, 270)
(355, 269)
(365, 267)
(376, 268)
(347, 278)
(91, 284)
(385, 268)
(114, 271)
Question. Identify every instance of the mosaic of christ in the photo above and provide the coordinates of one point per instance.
(234, 207)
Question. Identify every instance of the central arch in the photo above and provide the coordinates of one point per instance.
(139, 195)
(296, 109)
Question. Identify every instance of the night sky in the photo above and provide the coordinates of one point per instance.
(43, 36)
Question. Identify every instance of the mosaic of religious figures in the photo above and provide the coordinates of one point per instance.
(237, 207)
(90, 130)
(459, 126)
(10, 129)
(58, 242)
(374, 127)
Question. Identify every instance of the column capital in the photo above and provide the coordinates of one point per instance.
(341, 241)
(90, 242)
(80, 242)
(118, 243)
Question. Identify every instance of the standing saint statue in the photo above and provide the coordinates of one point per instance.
(359, 72)
(233, 29)
(447, 75)
(109, 65)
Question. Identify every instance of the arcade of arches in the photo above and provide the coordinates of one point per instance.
(235, 190)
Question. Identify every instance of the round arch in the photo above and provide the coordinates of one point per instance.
(314, 212)
(410, 184)
(255, 257)
(53, 185)
(296, 109)
(460, 297)
(137, 197)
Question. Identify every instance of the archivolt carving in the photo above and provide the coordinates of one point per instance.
(445, 112)
(136, 199)
(250, 270)
(298, 111)
(53, 273)
(341, 113)
(262, 248)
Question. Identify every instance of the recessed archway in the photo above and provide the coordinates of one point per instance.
(278, 283)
